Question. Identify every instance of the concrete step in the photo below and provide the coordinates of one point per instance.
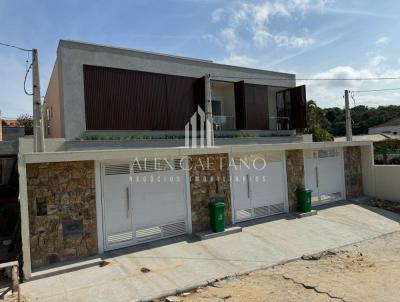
(65, 267)
(210, 234)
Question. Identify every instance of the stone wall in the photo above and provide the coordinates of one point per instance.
(62, 211)
(209, 179)
(352, 171)
(295, 175)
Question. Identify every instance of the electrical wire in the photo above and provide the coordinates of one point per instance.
(376, 90)
(27, 61)
(352, 97)
(307, 79)
(26, 74)
(13, 46)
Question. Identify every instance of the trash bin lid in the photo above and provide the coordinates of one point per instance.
(217, 204)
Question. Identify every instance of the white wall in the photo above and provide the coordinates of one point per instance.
(367, 168)
(387, 182)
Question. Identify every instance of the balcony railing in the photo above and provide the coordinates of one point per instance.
(281, 123)
(224, 123)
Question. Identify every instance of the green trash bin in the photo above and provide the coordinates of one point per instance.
(217, 217)
(304, 198)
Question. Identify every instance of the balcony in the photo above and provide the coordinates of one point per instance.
(224, 123)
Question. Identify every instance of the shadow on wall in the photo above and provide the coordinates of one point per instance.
(10, 247)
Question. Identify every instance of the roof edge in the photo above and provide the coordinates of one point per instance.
(87, 46)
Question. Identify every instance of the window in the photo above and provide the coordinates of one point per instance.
(216, 107)
(283, 109)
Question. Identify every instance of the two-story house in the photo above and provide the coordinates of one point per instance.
(81, 198)
(97, 89)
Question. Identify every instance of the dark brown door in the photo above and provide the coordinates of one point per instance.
(256, 100)
(292, 108)
(298, 107)
(251, 106)
(240, 108)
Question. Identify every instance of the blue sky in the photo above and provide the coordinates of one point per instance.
(312, 38)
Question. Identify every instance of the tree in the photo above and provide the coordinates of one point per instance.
(25, 120)
(362, 117)
(317, 123)
(4, 123)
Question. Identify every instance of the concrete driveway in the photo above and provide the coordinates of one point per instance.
(182, 263)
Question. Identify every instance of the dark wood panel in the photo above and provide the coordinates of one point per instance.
(240, 107)
(118, 99)
(256, 100)
(298, 110)
(181, 101)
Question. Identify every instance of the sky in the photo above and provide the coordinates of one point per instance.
(311, 38)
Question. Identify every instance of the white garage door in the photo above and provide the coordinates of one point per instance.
(143, 201)
(324, 174)
(259, 185)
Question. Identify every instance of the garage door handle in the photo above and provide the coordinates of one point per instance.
(127, 202)
(248, 185)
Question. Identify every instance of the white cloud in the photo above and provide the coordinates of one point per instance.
(376, 61)
(229, 38)
(383, 41)
(330, 93)
(217, 15)
(293, 41)
(251, 22)
(240, 60)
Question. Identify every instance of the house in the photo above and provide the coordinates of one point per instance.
(97, 89)
(391, 127)
(117, 170)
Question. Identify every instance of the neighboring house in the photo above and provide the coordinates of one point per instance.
(80, 199)
(391, 127)
(366, 138)
(10, 122)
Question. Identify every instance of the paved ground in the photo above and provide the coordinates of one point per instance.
(368, 271)
(179, 264)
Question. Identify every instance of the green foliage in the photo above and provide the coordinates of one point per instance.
(4, 123)
(317, 123)
(322, 122)
(363, 118)
(25, 120)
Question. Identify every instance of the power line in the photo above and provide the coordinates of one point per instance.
(308, 79)
(13, 46)
(26, 74)
(376, 90)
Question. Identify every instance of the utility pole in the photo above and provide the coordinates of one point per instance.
(38, 135)
(208, 107)
(349, 131)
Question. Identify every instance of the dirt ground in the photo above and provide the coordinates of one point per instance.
(368, 271)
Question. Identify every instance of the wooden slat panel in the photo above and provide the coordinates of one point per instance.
(240, 107)
(298, 109)
(118, 99)
(181, 101)
(256, 100)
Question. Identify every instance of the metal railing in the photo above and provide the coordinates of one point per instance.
(224, 123)
(281, 123)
